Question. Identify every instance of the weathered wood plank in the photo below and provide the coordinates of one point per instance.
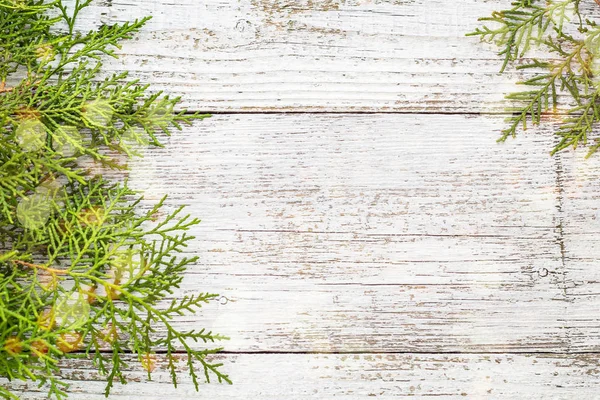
(360, 376)
(369, 233)
(579, 185)
(336, 55)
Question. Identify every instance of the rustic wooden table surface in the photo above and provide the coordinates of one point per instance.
(368, 236)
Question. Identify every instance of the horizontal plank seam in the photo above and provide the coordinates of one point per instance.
(418, 352)
(275, 352)
(364, 112)
(293, 112)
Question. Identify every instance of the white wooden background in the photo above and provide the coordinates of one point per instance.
(368, 236)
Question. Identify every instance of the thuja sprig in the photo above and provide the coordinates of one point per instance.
(84, 272)
(523, 25)
(564, 79)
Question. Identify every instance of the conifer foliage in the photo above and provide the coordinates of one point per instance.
(555, 45)
(85, 272)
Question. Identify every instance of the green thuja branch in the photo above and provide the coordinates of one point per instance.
(83, 271)
(563, 78)
(522, 26)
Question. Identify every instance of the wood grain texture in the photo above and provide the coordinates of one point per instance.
(579, 182)
(370, 233)
(362, 376)
(304, 55)
(413, 238)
